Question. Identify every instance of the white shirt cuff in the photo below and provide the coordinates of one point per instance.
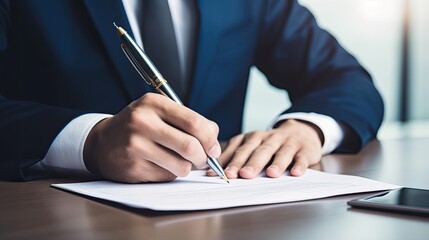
(65, 155)
(331, 129)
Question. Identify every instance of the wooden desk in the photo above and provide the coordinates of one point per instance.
(33, 210)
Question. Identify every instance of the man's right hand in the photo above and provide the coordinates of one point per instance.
(152, 139)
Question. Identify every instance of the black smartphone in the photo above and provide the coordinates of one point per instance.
(403, 200)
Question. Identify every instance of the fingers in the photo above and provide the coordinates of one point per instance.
(304, 159)
(164, 158)
(155, 139)
(152, 139)
(262, 155)
(237, 154)
(301, 150)
(295, 144)
(180, 129)
(204, 130)
(185, 145)
(230, 148)
(241, 155)
(282, 159)
(226, 156)
(141, 160)
(191, 123)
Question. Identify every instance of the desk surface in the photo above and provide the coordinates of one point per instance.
(33, 210)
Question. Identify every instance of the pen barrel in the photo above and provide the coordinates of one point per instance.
(141, 62)
(167, 91)
(215, 166)
(152, 76)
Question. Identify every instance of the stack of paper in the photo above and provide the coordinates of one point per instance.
(198, 192)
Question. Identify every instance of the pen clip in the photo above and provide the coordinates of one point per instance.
(136, 65)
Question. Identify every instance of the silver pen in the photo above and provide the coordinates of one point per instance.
(152, 76)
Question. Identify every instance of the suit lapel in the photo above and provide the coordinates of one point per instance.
(103, 13)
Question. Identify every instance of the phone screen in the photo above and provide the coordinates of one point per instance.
(404, 200)
(404, 196)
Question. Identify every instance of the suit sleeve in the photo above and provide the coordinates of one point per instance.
(27, 129)
(320, 76)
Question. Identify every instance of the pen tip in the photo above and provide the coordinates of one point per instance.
(114, 24)
(225, 178)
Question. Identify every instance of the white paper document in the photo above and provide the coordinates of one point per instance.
(199, 192)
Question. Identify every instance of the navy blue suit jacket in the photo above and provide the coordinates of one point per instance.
(61, 59)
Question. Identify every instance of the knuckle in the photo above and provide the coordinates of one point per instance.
(131, 145)
(152, 99)
(287, 150)
(281, 135)
(311, 156)
(194, 122)
(249, 146)
(252, 134)
(242, 151)
(189, 148)
(259, 133)
(148, 98)
(291, 146)
(135, 118)
(214, 128)
(137, 121)
(255, 137)
(265, 148)
(210, 139)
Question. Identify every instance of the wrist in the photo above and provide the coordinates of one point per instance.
(91, 149)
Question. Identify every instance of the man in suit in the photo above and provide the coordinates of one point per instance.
(71, 103)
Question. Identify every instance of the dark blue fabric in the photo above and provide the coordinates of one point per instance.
(60, 59)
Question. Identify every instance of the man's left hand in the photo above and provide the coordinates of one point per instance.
(293, 143)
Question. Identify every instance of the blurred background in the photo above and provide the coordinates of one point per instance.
(390, 38)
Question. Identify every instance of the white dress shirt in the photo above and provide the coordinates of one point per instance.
(65, 155)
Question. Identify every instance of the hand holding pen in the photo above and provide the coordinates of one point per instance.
(152, 76)
(152, 139)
